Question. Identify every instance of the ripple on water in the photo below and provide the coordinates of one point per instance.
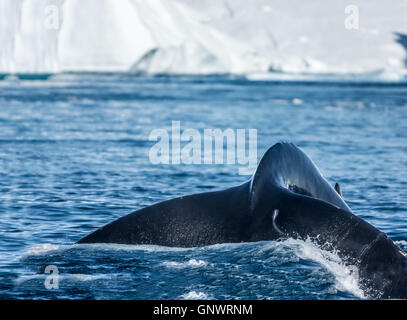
(74, 155)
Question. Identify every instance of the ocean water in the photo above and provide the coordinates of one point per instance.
(74, 156)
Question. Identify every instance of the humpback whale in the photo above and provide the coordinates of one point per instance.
(287, 197)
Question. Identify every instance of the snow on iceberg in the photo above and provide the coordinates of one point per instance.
(203, 37)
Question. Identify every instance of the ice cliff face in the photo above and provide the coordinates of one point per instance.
(203, 36)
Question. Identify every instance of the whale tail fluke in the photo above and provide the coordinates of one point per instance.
(287, 197)
(189, 221)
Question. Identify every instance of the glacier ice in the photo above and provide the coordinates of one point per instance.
(203, 37)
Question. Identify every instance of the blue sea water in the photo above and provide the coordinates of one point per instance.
(74, 156)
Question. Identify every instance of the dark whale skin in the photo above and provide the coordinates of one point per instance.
(287, 197)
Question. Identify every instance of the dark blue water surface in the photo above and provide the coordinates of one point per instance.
(74, 156)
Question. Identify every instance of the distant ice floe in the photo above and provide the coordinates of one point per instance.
(263, 39)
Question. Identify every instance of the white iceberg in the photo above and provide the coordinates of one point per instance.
(204, 37)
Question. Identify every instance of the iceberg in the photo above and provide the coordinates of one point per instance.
(253, 38)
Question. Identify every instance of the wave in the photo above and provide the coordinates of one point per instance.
(345, 276)
(236, 256)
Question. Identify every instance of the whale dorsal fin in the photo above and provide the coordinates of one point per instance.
(338, 189)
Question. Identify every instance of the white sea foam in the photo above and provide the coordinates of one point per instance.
(86, 277)
(47, 248)
(346, 277)
(189, 263)
(41, 249)
(44, 249)
(128, 247)
(61, 277)
(402, 244)
(195, 295)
